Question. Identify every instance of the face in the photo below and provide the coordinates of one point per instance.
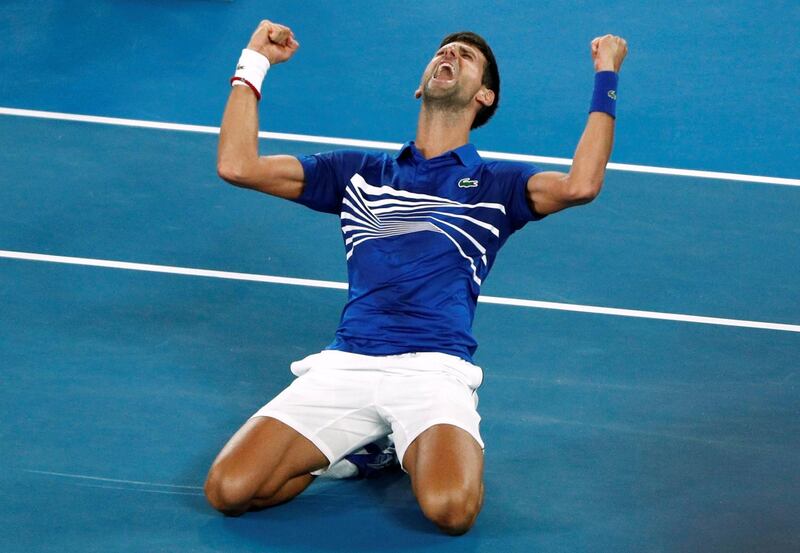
(454, 76)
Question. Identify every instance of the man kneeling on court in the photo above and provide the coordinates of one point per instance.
(421, 231)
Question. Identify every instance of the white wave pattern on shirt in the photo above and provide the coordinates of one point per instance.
(371, 212)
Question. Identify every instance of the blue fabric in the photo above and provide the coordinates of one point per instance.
(604, 97)
(420, 238)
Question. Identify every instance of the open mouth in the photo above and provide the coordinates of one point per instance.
(446, 72)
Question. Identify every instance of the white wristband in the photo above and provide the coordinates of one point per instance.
(250, 71)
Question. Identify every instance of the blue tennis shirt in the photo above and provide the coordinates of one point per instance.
(420, 238)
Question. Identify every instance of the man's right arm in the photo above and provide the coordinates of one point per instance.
(238, 161)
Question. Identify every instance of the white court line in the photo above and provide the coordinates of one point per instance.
(123, 488)
(115, 480)
(343, 286)
(352, 142)
(317, 491)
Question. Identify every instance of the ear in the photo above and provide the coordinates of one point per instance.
(485, 97)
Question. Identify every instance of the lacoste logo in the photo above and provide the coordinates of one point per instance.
(467, 183)
(612, 94)
(239, 67)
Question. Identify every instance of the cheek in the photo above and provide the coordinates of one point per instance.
(474, 72)
(476, 77)
(428, 70)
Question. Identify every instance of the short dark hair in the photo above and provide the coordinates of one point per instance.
(491, 75)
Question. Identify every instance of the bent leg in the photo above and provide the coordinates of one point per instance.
(265, 463)
(291, 489)
(446, 468)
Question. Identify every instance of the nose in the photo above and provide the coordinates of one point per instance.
(450, 52)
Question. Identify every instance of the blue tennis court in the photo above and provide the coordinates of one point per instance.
(642, 382)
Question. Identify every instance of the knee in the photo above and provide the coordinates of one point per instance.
(227, 493)
(453, 511)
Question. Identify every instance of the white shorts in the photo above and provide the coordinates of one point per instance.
(342, 401)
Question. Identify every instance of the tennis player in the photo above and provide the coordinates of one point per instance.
(421, 230)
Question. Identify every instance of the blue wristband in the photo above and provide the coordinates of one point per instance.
(604, 97)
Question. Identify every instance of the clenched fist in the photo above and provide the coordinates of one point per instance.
(608, 52)
(274, 41)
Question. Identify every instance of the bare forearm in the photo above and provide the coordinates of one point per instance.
(592, 154)
(238, 137)
(594, 148)
(238, 161)
(551, 191)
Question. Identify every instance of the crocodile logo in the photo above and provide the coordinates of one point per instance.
(467, 183)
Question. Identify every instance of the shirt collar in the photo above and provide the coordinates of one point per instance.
(408, 149)
(466, 154)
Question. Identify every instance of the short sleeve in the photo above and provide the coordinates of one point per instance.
(323, 186)
(516, 176)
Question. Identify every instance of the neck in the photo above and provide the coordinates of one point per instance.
(439, 131)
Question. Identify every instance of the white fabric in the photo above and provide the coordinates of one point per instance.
(342, 401)
(252, 67)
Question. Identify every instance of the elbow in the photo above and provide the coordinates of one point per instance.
(233, 173)
(585, 192)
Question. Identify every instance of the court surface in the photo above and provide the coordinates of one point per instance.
(642, 389)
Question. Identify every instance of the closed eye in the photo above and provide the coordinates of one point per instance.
(464, 51)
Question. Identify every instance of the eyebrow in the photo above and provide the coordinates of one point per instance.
(461, 46)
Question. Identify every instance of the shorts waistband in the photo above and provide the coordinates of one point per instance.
(468, 373)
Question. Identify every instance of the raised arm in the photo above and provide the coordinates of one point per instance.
(552, 191)
(238, 161)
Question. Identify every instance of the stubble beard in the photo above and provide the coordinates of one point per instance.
(452, 100)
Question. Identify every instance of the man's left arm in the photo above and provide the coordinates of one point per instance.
(552, 191)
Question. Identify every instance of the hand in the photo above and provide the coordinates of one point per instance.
(608, 52)
(274, 41)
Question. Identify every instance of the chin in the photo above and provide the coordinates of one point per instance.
(439, 92)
